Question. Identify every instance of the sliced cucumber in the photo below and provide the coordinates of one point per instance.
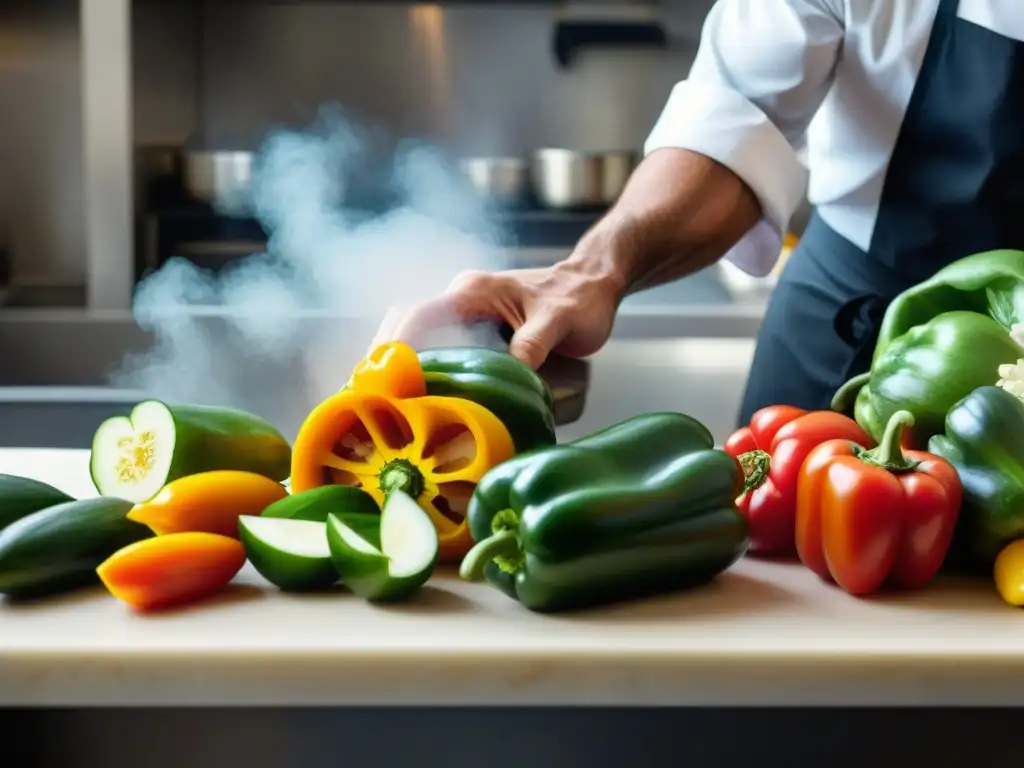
(316, 503)
(402, 563)
(134, 456)
(291, 554)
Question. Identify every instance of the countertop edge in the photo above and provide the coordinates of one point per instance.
(750, 681)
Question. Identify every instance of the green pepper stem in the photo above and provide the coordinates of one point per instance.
(889, 453)
(756, 465)
(843, 397)
(504, 543)
(401, 475)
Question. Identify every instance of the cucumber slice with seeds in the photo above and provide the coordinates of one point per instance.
(402, 564)
(291, 554)
(134, 456)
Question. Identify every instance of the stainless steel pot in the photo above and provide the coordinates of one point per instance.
(565, 179)
(222, 178)
(503, 180)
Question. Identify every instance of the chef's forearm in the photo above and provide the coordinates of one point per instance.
(680, 212)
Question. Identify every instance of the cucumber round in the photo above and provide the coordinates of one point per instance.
(402, 563)
(291, 554)
(317, 503)
(60, 547)
(21, 496)
(134, 456)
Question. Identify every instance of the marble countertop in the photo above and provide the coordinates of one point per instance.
(764, 633)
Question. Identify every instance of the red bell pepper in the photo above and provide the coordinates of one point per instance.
(867, 518)
(771, 451)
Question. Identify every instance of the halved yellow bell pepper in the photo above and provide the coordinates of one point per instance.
(382, 432)
(390, 369)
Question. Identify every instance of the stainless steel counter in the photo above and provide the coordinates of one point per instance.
(683, 346)
(702, 377)
(75, 347)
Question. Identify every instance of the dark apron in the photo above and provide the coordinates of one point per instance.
(955, 186)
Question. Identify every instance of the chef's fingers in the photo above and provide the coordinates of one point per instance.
(534, 340)
(413, 324)
(472, 297)
(406, 324)
(386, 330)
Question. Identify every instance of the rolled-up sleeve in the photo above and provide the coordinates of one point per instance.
(762, 70)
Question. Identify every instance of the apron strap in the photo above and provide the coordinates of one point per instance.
(858, 323)
(859, 319)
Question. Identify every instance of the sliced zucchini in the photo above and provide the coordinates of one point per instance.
(134, 456)
(403, 562)
(316, 503)
(293, 555)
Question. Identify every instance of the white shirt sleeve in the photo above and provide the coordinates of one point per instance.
(762, 70)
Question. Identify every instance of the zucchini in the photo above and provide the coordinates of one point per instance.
(60, 547)
(403, 561)
(21, 496)
(291, 554)
(316, 503)
(134, 456)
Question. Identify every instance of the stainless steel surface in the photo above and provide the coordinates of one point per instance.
(59, 417)
(565, 179)
(429, 71)
(43, 296)
(76, 347)
(701, 376)
(220, 177)
(503, 180)
(253, 75)
(41, 138)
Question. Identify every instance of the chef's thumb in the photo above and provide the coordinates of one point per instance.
(535, 339)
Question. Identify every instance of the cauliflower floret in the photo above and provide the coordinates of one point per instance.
(1011, 378)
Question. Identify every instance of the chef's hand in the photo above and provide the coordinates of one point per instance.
(680, 212)
(568, 307)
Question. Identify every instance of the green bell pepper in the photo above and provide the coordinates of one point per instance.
(644, 506)
(984, 441)
(499, 382)
(927, 370)
(940, 340)
(989, 283)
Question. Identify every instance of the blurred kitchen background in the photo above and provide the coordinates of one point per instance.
(128, 139)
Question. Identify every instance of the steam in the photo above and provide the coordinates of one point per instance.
(282, 330)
